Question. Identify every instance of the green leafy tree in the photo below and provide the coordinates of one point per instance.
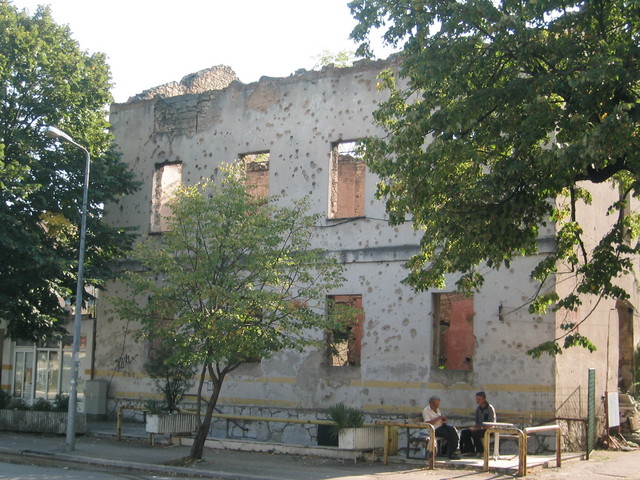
(172, 379)
(341, 59)
(45, 79)
(232, 281)
(501, 115)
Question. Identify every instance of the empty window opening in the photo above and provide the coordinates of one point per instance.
(344, 342)
(453, 345)
(346, 184)
(166, 179)
(257, 170)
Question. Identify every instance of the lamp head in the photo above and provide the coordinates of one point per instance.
(53, 132)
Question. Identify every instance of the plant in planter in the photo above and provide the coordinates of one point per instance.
(41, 405)
(60, 403)
(350, 430)
(41, 417)
(344, 417)
(18, 404)
(172, 380)
(5, 398)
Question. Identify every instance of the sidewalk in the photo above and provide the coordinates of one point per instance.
(99, 447)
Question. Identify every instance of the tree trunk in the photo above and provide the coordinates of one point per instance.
(203, 429)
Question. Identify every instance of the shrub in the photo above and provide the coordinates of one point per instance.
(41, 405)
(61, 403)
(155, 407)
(5, 398)
(344, 417)
(17, 404)
(171, 378)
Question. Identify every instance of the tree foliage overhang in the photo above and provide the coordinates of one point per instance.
(45, 79)
(500, 116)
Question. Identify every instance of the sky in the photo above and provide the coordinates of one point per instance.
(152, 42)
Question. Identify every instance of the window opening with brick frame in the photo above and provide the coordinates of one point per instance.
(453, 339)
(166, 179)
(344, 343)
(257, 171)
(347, 181)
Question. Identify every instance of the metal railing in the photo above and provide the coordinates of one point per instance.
(250, 418)
(522, 444)
(119, 419)
(431, 458)
(520, 434)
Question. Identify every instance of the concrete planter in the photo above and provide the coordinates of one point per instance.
(166, 423)
(364, 438)
(39, 422)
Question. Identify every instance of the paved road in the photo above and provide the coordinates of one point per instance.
(35, 472)
(101, 458)
(603, 466)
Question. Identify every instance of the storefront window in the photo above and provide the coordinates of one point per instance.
(52, 363)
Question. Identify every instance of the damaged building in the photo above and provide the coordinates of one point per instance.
(298, 136)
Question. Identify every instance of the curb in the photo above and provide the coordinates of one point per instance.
(137, 466)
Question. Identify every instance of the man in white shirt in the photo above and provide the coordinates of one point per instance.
(432, 414)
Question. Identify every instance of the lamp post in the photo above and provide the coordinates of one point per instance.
(53, 132)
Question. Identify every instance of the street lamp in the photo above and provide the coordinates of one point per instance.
(53, 132)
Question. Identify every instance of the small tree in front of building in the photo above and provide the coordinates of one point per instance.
(172, 379)
(234, 280)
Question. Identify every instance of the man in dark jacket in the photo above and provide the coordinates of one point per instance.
(471, 439)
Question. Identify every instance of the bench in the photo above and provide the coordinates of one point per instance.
(420, 442)
(431, 450)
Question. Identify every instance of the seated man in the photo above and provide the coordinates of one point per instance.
(472, 439)
(432, 415)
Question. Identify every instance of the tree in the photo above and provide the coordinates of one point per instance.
(172, 379)
(232, 281)
(503, 108)
(341, 59)
(45, 79)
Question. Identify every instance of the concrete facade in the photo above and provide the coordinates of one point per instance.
(298, 121)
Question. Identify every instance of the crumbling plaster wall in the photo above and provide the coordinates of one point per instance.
(297, 119)
(600, 322)
(214, 78)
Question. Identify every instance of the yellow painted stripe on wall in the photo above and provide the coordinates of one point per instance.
(258, 402)
(222, 400)
(496, 387)
(392, 409)
(5, 387)
(406, 410)
(6, 366)
(109, 374)
(285, 380)
(409, 385)
(138, 395)
(457, 386)
(489, 387)
(280, 380)
(416, 410)
(388, 384)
